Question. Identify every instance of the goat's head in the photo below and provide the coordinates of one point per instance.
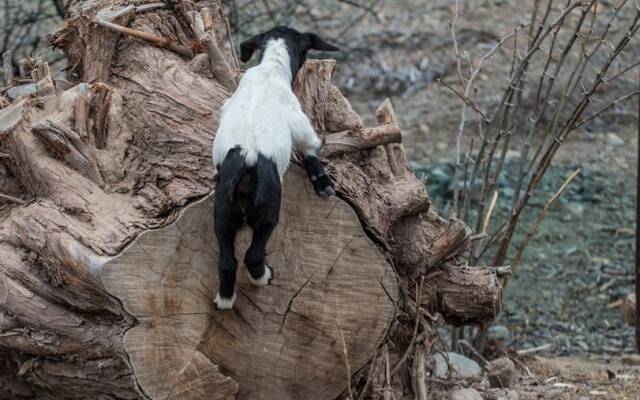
(298, 44)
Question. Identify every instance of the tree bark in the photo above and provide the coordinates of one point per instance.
(107, 258)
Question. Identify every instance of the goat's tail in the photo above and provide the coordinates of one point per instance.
(230, 173)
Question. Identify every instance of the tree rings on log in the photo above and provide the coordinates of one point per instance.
(281, 341)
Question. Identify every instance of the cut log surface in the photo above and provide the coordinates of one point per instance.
(281, 341)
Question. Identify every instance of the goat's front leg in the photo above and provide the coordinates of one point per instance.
(322, 183)
(309, 144)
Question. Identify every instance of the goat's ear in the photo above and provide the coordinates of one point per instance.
(249, 46)
(317, 43)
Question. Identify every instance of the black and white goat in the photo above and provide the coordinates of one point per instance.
(259, 126)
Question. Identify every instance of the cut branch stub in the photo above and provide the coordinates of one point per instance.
(367, 138)
(464, 296)
(281, 341)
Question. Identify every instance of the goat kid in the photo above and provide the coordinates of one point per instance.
(259, 126)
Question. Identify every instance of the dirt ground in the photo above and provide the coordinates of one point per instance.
(561, 378)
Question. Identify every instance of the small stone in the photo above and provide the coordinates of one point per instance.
(513, 154)
(424, 129)
(441, 146)
(631, 359)
(462, 367)
(614, 140)
(501, 373)
(576, 208)
(505, 394)
(464, 394)
(17, 92)
(500, 332)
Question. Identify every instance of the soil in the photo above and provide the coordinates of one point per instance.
(562, 378)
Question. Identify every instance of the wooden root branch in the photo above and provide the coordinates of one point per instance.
(367, 138)
(70, 146)
(202, 26)
(105, 18)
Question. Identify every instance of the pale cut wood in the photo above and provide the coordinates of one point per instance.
(281, 342)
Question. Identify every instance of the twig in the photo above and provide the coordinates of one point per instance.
(535, 349)
(415, 329)
(478, 236)
(465, 99)
(474, 351)
(492, 206)
(606, 108)
(387, 374)
(369, 10)
(372, 370)
(541, 217)
(421, 374)
(11, 198)
(346, 360)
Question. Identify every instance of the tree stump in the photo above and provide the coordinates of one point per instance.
(107, 258)
(281, 341)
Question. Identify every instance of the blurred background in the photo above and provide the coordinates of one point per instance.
(574, 270)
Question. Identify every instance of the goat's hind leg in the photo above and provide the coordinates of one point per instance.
(228, 219)
(263, 213)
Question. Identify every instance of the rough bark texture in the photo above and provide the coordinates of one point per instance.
(107, 261)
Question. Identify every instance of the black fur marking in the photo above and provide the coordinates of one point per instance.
(228, 219)
(322, 183)
(262, 214)
(298, 44)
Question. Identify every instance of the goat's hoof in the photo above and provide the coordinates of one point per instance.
(265, 279)
(224, 303)
(328, 192)
(324, 186)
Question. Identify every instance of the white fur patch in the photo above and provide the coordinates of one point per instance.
(264, 116)
(264, 280)
(225, 304)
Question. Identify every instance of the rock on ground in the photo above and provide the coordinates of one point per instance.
(464, 394)
(500, 394)
(501, 373)
(462, 367)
